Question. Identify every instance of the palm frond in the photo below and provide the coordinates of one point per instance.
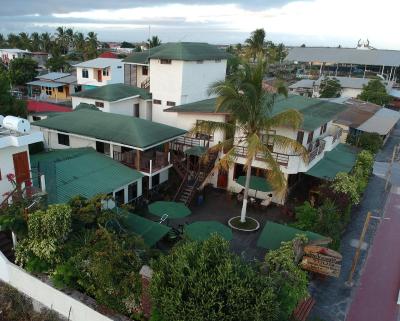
(289, 118)
(290, 146)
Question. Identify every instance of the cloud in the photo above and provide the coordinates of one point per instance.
(314, 22)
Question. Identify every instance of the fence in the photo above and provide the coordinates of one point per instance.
(50, 297)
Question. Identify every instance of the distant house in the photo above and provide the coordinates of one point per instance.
(363, 117)
(38, 110)
(54, 85)
(140, 144)
(351, 87)
(108, 54)
(84, 172)
(14, 155)
(117, 98)
(7, 55)
(99, 72)
(40, 57)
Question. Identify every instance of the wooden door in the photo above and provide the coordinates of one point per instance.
(21, 167)
(66, 91)
(99, 75)
(222, 181)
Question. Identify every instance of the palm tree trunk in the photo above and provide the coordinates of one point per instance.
(246, 195)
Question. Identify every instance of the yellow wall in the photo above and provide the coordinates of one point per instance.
(55, 94)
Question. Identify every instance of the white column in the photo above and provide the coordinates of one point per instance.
(111, 150)
(151, 166)
(43, 183)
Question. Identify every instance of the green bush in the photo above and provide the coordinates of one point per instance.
(371, 142)
(306, 217)
(204, 281)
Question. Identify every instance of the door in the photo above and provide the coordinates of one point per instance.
(222, 181)
(99, 75)
(21, 167)
(66, 91)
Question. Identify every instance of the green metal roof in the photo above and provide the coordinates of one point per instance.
(202, 230)
(188, 51)
(316, 112)
(256, 183)
(127, 130)
(340, 159)
(150, 231)
(81, 171)
(274, 234)
(113, 92)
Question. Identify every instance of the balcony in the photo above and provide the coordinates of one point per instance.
(147, 162)
(315, 149)
(281, 159)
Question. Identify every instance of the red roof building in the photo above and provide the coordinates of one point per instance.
(41, 106)
(108, 54)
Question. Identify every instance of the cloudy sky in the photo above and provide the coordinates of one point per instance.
(293, 22)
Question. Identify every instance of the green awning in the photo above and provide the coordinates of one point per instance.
(150, 231)
(172, 209)
(256, 183)
(196, 151)
(202, 230)
(340, 159)
(274, 234)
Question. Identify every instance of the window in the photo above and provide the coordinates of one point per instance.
(202, 134)
(300, 137)
(165, 61)
(136, 110)
(48, 90)
(119, 67)
(103, 148)
(105, 72)
(63, 139)
(132, 191)
(99, 104)
(171, 103)
(323, 129)
(36, 118)
(268, 139)
(155, 180)
(310, 137)
(145, 70)
(199, 61)
(157, 101)
(85, 73)
(119, 197)
(60, 89)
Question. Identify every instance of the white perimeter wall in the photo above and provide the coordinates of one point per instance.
(50, 297)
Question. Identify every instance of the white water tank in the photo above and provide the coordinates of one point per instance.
(17, 124)
(1, 120)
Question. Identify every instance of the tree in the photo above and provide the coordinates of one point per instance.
(330, 88)
(57, 63)
(253, 118)
(375, 92)
(290, 281)
(205, 281)
(126, 44)
(255, 44)
(368, 141)
(91, 45)
(46, 44)
(8, 104)
(79, 41)
(154, 41)
(13, 40)
(22, 70)
(35, 41)
(62, 39)
(24, 41)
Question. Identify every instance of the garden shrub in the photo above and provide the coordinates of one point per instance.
(204, 281)
(306, 217)
(348, 185)
(371, 142)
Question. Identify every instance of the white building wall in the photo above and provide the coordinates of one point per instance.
(139, 75)
(7, 167)
(51, 140)
(116, 74)
(350, 92)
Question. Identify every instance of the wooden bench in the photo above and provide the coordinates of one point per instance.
(303, 309)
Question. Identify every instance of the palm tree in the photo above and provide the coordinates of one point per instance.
(255, 44)
(45, 42)
(62, 39)
(153, 42)
(69, 37)
(79, 41)
(252, 112)
(35, 41)
(24, 41)
(91, 45)
(13, 40)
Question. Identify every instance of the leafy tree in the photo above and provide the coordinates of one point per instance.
(24, 41)
(154, 41)
(363, 169)
(347, 184)
(8, 104)
(22, 70)
(35, 41)
(46, 43)
(255, 44)
(330, 88)
(306, 217)
(205, 281)
(126, 44)
(91, 45)
(375, 92)
(251, 109)
(79, 41)
(368, 141)
(57, 63)
(289, 280)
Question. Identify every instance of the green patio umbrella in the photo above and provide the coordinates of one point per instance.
(259, 184)
(202, 230)
(171, 209)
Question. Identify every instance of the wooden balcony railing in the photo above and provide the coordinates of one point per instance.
(316, 148)
(190, 141)
(281, 159)
(147, 162)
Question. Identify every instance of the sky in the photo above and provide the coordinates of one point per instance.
(293, 22)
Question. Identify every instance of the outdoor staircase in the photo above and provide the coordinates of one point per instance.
(6, 245)
(189, 185)
(145, 83)
(179, 166)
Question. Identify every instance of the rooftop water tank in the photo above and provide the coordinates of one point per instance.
(17, 124)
